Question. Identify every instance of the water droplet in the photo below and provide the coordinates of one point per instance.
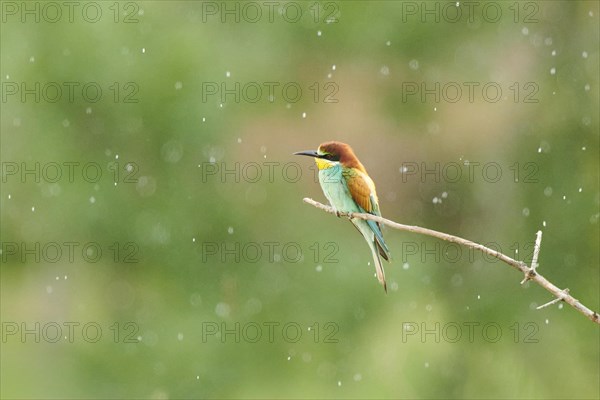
(318, 33)
(33, 209)
(405, 266)
(88, 110)
(333, 67)
(178, 85)
(385, 70)
(580, 190)
(553, 53)
(193, 240)
(31, 59)
(584, 54)
(552, 71)
(413, 64)
(303, 115)
(319, 268)
(239, 140)
(92, 199)
(526, 212)
(339, 383)
(143, 50)
(203, 119)
(180, 336)
(230, 230)
(525, 31)
(222, 310)
(228, 74)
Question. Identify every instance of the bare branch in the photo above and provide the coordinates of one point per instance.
(529, 272)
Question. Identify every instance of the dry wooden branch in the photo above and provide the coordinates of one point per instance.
(530, 273)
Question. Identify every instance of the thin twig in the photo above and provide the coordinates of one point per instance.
(530, 273)
(556, 300)
(534, 264)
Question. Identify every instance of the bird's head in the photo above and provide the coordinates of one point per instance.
(330, 154)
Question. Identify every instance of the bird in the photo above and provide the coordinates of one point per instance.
(348, 188)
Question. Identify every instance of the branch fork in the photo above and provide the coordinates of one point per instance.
(531, 271)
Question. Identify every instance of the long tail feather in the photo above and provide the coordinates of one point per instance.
(378, 266)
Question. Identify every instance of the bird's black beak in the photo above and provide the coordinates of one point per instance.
(310, 153)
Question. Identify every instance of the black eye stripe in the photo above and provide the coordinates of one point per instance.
(330, 157)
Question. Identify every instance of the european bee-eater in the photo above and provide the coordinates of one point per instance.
(349, 188)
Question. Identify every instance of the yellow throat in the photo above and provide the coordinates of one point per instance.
(323, 164)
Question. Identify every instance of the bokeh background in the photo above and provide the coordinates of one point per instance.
(196, 224)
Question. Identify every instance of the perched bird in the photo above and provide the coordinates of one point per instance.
(349, 188)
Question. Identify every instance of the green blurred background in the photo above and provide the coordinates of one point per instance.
(192, 185)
